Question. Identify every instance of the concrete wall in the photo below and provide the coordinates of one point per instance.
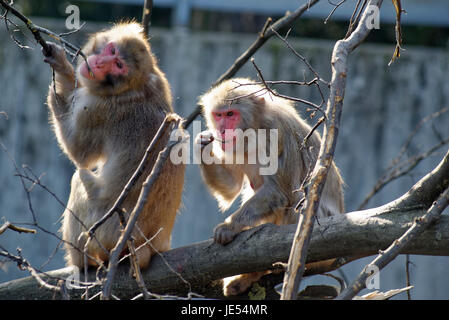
(382, 106)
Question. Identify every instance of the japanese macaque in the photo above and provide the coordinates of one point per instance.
(266, 197)
(104, 118)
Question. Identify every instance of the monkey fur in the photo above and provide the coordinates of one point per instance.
(104, 118)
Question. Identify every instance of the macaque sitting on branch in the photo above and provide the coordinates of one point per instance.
(238, 109)
(104, 116)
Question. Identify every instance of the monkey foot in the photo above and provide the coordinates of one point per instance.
(238, 284)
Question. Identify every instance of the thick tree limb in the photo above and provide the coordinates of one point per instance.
(356, 234)
(360, 233)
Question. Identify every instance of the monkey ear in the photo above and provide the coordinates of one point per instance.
(258, 100)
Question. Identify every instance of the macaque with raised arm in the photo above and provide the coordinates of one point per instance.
(104, 118)
(268, 196)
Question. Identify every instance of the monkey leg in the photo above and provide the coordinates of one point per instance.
(237, 284)
(143, 255)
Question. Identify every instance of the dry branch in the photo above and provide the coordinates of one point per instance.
(360, 233)
(136, 175)
(29, 24)
(146, 16)
(9, 225)
(141, 202)
(420, 224)
(342, 48)
(263, 37)
(37, 30)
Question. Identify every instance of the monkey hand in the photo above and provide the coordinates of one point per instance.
(204, 138)
(56, 58)
(224, 233)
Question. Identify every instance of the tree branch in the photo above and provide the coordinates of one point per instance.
(141, 202)
(146, 16)
(263, 37)
(385, 257)
(342, 48)
(360, 233)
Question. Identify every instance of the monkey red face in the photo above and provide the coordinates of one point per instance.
(107, 62)
(226, 122)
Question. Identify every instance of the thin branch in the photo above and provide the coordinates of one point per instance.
(8, 225)
(354, 19)
(37, 30)
(29, 25)
(146, 16)
(407, 275)
(306, 102)
(398, 31)
(263, 37)
(23, 264)
(336, 6)
(301, 57)
(401, 170)
(137, 174)
(385, 257)
(141, 202)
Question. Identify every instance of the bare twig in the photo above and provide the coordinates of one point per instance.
(398, 245)
(306, 102)
(146, 16)
(35, 181)
(37, 30)
(29, 25)
(401, 170)
(263, 37)
(23, 264)
(407, 275)
(336, 6)
(141, 202)
(398, 31)
(137, 174)
(353, 20)
(8, 225)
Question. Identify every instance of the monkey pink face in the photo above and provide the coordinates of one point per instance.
(226, 121)
(107, 62)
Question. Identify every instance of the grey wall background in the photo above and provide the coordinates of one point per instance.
(382, 106)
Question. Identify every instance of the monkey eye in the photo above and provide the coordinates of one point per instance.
(119, 64)
(230, 114)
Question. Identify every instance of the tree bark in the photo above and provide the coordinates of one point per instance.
(360, 233)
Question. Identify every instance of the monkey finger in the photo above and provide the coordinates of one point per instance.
(223, 234)
(50, 50)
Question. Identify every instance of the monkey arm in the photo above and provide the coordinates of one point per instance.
(64, 80)
(224, 182)
(263, 207)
